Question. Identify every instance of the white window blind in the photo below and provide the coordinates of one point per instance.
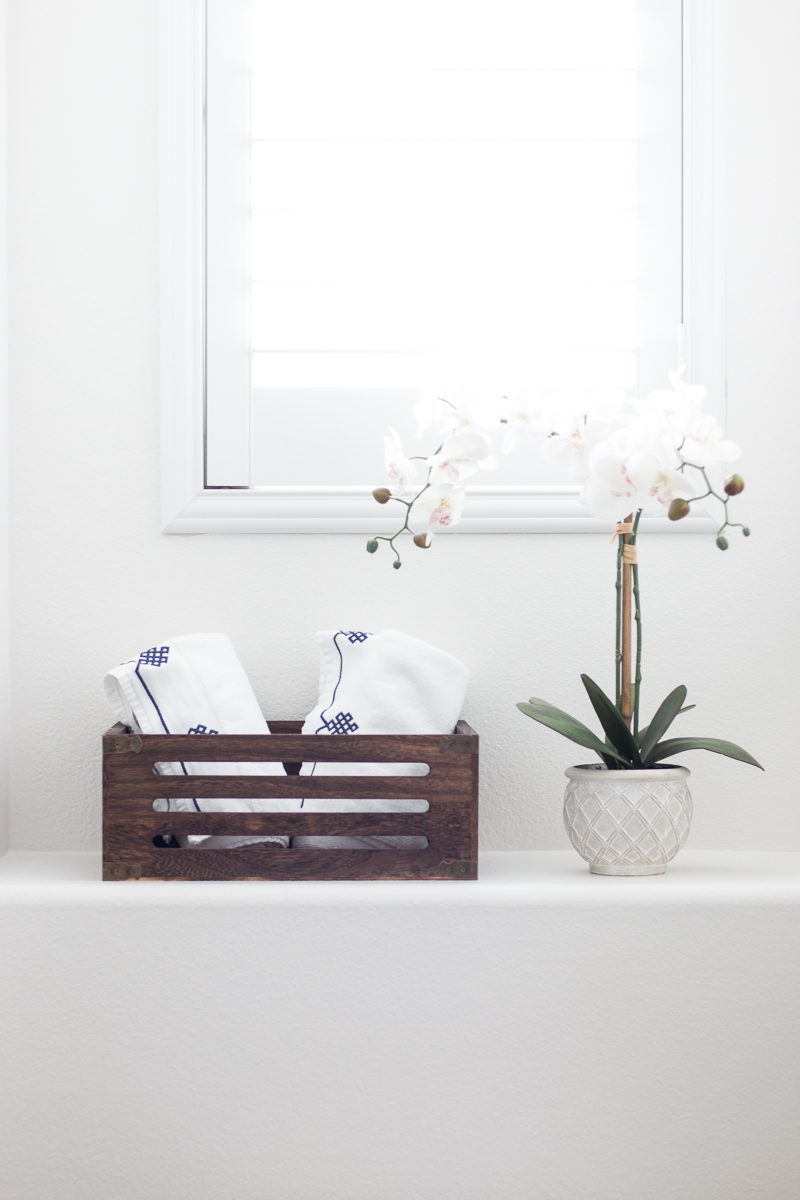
(485, 195)
(453, 194)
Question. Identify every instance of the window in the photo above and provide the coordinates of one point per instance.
(488, 195)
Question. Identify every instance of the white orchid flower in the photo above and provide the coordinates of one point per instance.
(461, 456)
(693, 394)
(682, 395)
(702, 442)
(699, 433)
(522, 416)
(434, 408)
(609, 490)
(453, 410)
(658, 483)
(565, 406)
(401, 472)
(438, 508)
(634, 468)
(570, 443)
(572, 447)
(575, 420)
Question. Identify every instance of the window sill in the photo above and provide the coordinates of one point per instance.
(353, 510)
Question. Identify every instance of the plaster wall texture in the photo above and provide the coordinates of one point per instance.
(93, 579)
(5, 690)
(340, 1043)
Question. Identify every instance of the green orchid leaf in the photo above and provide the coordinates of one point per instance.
(666, 713)
(679, 745)
(614, 726)
(568, 727)
(643, 731)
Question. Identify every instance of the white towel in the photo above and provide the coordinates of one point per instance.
(380, 683)
(195, 684)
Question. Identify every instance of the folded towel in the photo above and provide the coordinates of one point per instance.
(380, 683)
(195, 684)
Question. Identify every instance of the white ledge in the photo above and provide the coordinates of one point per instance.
(513, 878)
(541, 1032)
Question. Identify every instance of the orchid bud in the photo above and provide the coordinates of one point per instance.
(422, 540)
(745, 531)
(382, 495)
(733, 485)
(678, 509)
(372, 545)
(722, 542)
(397, 564)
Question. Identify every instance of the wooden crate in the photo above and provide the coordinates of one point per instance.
(133, 832)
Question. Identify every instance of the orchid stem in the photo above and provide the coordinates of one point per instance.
(405, 527)
(637, 684)
(726, 524)
(618, 638)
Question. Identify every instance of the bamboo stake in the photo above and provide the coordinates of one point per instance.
(637, 685)
(626, 707)
(618, 630)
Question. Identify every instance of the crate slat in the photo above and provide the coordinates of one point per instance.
(291, 747)
(291, 787)
(278, 824)
(272, 863)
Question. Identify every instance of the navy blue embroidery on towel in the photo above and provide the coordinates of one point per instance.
(156, 656)
(151, 697)
(352, 636)
(342, 723)
(201, 729)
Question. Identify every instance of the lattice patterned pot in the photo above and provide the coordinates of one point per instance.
(627, 822)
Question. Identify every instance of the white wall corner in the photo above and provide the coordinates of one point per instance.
(181, 224)
(5, 689)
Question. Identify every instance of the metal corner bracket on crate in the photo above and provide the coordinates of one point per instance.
(134, 833)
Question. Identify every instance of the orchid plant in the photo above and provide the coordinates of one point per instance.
(657, 455)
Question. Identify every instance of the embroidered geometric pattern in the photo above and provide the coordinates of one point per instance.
(342, 723)
(155, 657)
(353, 636)
(201, 729)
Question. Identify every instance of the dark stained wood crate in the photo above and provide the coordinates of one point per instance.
(134, 833)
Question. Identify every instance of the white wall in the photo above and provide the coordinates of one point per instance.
(94, 580)
(5, 712)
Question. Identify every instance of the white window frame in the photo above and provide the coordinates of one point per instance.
(190, 506)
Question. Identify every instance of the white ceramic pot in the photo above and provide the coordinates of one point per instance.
(627, 822)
